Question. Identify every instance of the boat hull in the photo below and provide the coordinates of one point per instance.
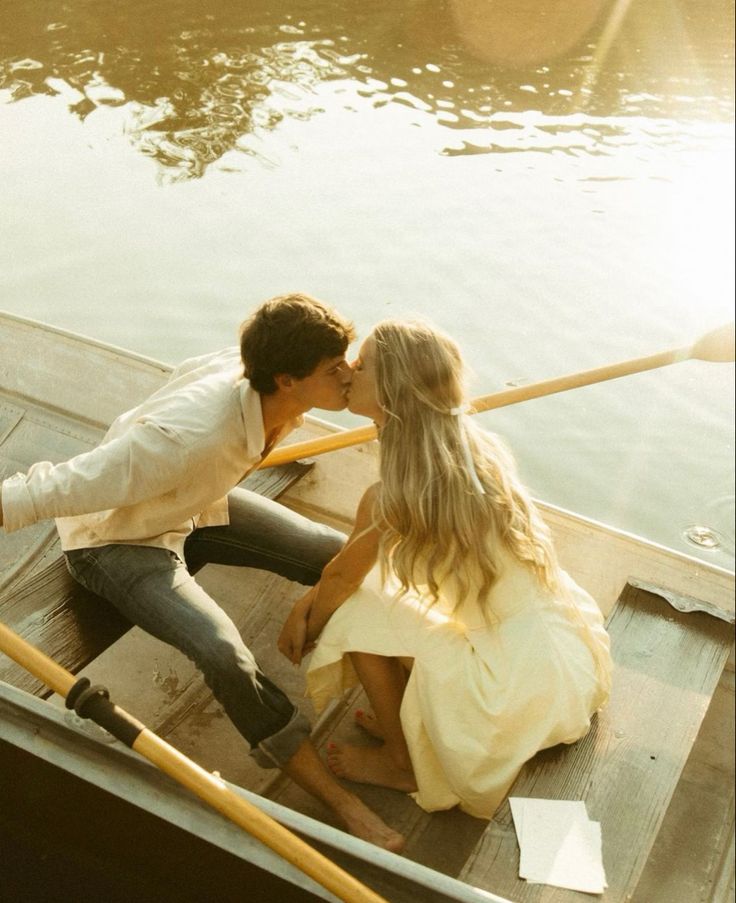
(46, 748)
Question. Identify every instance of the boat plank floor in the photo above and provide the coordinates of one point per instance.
(52, 612)
(443, 840)
(688, 857)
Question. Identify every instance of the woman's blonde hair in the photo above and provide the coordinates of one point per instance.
(437, 519)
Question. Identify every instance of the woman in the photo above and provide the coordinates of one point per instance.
(447, 603)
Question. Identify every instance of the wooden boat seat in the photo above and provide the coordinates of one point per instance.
(53, 612)
(667, 666)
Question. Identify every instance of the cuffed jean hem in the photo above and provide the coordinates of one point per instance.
(276, 750)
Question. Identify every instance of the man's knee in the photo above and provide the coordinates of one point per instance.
(221, 653)
(329, 543)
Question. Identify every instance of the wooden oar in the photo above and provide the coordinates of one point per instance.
(92, 702)
(715, 346)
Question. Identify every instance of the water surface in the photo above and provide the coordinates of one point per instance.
(555, 190)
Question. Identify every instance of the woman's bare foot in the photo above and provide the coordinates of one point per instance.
(369, 723)
(369, 765)
(364, 823)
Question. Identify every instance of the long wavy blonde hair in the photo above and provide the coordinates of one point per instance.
(435, 518)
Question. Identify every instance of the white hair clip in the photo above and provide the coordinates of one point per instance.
(469, 463)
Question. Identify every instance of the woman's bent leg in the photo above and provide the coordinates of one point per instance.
(389, 765)
(384, 681)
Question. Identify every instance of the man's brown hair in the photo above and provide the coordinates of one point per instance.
(290, 334)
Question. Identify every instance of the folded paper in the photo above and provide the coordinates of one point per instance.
(559, 844)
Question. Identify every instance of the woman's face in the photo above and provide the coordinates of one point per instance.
(362, 394)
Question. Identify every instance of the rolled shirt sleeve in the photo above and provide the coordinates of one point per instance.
(145, 462)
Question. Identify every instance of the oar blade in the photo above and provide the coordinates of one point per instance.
(717, 346)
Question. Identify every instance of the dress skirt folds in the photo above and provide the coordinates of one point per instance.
(485, 693)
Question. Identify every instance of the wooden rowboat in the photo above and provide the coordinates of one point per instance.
(82, 811)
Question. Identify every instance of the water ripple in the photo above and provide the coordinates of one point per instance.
(193, 85)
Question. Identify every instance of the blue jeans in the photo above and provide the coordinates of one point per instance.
(154, 589)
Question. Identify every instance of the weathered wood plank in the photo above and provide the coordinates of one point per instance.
(626, 769)
(691, 852)
(272, 482)
(54, 613)
(58, 616)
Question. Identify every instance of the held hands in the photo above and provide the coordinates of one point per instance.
(293, 642)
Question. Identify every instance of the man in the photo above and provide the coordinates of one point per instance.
(155, 501)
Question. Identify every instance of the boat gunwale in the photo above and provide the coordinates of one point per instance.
(36, 724)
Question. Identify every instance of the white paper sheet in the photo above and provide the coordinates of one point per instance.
(559, 844)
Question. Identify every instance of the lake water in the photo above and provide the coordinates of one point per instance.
(553, 188)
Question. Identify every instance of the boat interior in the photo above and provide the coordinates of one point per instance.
(656, 769)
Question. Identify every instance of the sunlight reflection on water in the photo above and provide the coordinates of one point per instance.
(555, 216)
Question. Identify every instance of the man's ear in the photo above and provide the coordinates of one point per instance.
(284, 381)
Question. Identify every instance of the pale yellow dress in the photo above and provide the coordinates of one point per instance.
(482, 698)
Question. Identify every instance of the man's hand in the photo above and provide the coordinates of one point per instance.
(293, 637)
(292, 640)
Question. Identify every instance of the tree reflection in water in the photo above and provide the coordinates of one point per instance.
(197, 84)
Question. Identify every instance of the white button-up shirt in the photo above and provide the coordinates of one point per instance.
(162, 469)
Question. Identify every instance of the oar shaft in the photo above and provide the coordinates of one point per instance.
(348, 438)
(331, 442)
(40, 665)
(577, 380)
(200, 782)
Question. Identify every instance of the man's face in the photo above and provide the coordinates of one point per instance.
(362, 397)
(326, 386)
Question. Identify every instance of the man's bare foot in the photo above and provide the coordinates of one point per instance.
(369, 765)
(369, 723)
(307, 770)
(364, 823)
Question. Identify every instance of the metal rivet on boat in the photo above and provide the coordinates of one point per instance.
(90, 728)
(703, 537)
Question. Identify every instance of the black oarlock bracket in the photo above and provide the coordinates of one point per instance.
(93, 702)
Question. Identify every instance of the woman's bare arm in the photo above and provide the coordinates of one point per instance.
(340, 579)
(347, 570)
